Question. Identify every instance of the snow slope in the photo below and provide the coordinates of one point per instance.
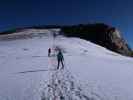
(91, 72)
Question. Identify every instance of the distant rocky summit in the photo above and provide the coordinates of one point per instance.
(101, 34)
(98, 33)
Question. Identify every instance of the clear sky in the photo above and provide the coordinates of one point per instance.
(19, 13)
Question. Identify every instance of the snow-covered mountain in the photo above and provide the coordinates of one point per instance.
(91, 71)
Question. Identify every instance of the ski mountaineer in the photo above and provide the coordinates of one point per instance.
(60, 59)
(54, 35)
(49, 52)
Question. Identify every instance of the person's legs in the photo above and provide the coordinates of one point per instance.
(62, 64)
(58, 64)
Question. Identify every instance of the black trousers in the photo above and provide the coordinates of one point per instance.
(60, 61)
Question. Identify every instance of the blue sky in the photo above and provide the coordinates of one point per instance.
(19, 13)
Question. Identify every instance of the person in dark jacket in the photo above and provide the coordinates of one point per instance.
(54, 35)
(60, 59)
(49, 52)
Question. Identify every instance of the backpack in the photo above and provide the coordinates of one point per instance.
(60, 56)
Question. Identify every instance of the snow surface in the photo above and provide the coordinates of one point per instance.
(91, 71)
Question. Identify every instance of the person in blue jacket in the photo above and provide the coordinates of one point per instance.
(60, 59)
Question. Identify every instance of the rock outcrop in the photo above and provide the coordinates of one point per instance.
(118, 43)
(101, 34)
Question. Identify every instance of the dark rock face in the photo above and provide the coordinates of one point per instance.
(118, 43)
(100, 34)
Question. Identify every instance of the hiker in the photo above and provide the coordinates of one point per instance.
(54, 35)
(60, 59)
(49, 52)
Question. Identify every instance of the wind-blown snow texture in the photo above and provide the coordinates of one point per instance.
(91, 72)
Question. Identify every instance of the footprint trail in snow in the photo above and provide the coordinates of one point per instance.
(62, 86)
